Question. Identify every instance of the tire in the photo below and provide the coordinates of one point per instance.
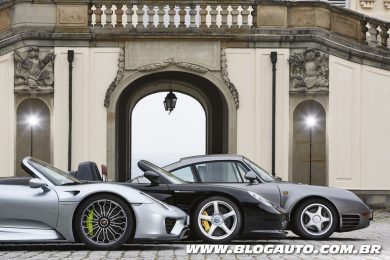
(104, 222)
(315, 219)
(206, 220)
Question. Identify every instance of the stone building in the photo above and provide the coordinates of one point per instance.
(329, 60)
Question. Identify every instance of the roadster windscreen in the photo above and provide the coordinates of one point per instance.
(54, 175)
(172, 178)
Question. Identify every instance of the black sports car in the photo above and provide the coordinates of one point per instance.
(316, 212)
(218, 213)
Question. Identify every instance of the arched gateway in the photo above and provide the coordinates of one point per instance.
(212, 89)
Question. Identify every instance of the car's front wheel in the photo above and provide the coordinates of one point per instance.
(315, 219)
(104, 222)
(217, 220)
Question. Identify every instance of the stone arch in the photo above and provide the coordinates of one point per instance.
(136, 85)
(301, 144)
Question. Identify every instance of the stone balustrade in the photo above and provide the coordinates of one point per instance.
(202, 16)
(186, 15)
(242, 20)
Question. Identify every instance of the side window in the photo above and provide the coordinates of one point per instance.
(224, 171)
(185, 174)
(242, 170)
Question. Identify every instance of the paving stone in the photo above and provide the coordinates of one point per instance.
(377, 233)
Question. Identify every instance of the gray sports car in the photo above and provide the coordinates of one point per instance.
(52, 206)
(315, 212)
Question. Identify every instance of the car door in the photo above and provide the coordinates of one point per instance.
(184, 195)
(22, 207)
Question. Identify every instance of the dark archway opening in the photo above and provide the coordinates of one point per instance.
(212, 99)
(301, 144)
(32, 140)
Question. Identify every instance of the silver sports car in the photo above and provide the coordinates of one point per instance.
(52, 206)
(315, 212)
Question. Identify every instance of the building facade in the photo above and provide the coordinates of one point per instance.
(327, 60)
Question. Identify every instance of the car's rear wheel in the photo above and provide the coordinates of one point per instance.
(104, 222)
(315, 219)
(217, 220)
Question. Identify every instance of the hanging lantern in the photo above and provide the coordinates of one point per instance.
(170, 102)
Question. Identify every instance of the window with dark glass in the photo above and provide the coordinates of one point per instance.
(224, 171)
(185, 174)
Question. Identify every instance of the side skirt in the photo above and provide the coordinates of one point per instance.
(8, 234)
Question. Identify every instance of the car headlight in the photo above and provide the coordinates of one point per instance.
(260, 198)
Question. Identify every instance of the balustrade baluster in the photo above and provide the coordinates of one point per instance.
(129, 15)
(192, 12)
(108, 12)
(160, 14)
(203, 14)
(213, 14)
(140, 17)
(151, 12)
(171, 14)
(373, 31)
(98, 15)
(119, 14)
(224, 16)
(245, 14)
(182, 15)
(364, 29)
(384, 36)
(234, 14)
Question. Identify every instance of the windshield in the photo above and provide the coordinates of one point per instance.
(265, 176)
(54, 175)
(167, 175)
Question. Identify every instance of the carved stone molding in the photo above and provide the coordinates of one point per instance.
(118, 77)
(171, 61)
(367, 3)
(309, 71)
(34, 74)
(226, 79)
(386, 4)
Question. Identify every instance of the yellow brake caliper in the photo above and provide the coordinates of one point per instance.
(205, 223)
(88, 222)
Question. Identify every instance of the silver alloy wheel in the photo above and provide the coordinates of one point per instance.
(316, 219)
(104, 222)
(218, 219)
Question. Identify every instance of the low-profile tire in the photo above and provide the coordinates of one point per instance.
(216, 220)
(315, 219)
(104, 222)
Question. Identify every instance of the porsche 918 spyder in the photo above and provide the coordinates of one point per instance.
(52, 206)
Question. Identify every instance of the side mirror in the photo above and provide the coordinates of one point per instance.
(251, 176)
(36, 183)
(278, 179)
(151, 176)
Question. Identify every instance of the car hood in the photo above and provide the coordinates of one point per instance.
(314, 190)
(344, 200)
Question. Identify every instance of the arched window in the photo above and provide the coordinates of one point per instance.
(32, 132)
(309, 114)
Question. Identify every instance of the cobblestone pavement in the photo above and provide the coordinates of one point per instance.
(377, 233)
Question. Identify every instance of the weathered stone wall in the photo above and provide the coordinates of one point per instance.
(374, 8)
(7, 115)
